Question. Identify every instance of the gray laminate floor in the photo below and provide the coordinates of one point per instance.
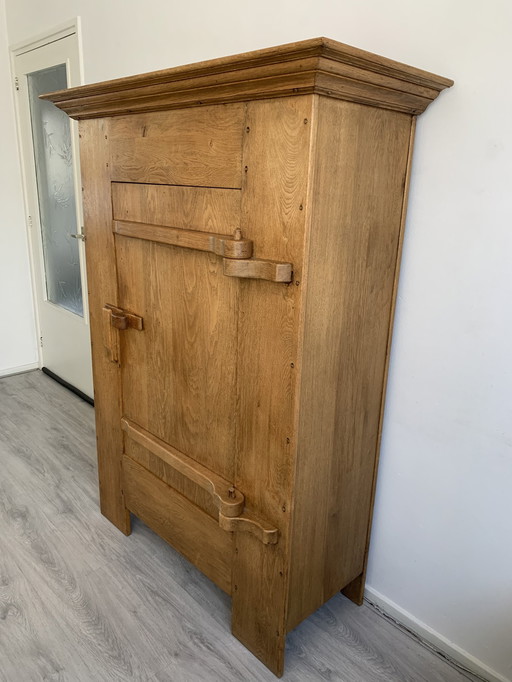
(81, 602)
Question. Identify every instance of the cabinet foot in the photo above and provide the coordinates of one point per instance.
(355, 589)
(259, 600)
(115, 511)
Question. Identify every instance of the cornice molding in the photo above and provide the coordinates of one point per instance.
(317, 66)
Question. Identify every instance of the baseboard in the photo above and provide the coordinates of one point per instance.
(8, 371)
(430, 637)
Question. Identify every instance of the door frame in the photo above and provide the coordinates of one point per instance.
(69, 29)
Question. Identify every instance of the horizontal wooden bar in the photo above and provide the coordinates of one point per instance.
(258, 269)
(121, 319)
(219, 244)
(229, 501)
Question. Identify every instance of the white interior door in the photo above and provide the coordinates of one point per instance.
(51, 169)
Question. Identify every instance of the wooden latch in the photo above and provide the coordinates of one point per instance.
(230, 502)
(235, 251)
(114, 320)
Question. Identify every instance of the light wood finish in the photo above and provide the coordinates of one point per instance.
(247, 523)
(277, 139)
(81, 602)
(185, 486)
(122, 319)
(228, 500)
(182, 524)
(266, 383)
(355, 589)
(179, 374)
(198, 147)
(259, 269)
(317, 66)
(361, 163)
(235, 250)
(219, 244)
(110, 335)
(102, 283)
(193, 208)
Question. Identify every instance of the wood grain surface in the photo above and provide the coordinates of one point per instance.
(81, 602)
(228, 500)
(181, 523)
(361, 163)
(315, 66)
(276, 156)
(179, 374)
(194, 208)
(355, 589)
(200, 147)
(102, 284)
(224, 245)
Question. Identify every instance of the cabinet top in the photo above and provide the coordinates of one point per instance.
(316, 66)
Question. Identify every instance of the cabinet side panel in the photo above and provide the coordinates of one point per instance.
(361, 160)
(276, 167)
(101, 276)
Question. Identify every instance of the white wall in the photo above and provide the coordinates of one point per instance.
(17, 329)
(441, 552)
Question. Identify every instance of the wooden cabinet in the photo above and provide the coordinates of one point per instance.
(244, 219)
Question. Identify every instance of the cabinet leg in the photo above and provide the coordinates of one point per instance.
(259, 600)
(111, 494)
(355, 589)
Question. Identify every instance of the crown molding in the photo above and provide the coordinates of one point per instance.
(317, 66)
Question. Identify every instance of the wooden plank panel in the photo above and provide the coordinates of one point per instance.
(194, 208)
(276, 156)
(199, 147)
(355, 589)
(173, 478)
(186, 527)
(361, 163)
(179, 374)
(228, 500)
(101, 276)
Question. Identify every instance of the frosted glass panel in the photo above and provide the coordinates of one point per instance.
(57, 209)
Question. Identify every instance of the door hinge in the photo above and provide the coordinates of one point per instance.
(41, 341)
(17, 83)
(29, 221)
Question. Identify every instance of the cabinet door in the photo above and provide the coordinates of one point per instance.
(178, 368)
(179, 373)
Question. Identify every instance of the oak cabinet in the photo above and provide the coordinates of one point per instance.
(243, 219)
